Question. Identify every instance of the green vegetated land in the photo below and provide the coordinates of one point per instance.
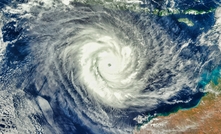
(135, 6)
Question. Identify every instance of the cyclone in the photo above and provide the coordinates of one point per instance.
(87, 67)
(109, 60)
(106, 63)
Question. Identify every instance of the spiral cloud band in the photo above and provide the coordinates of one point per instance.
(96, 67)
(106, 65)
(109, 62)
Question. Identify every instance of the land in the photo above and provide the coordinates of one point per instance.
(203, 119)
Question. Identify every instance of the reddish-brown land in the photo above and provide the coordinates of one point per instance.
(203, 119)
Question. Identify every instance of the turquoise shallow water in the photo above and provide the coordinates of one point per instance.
(213, 76)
